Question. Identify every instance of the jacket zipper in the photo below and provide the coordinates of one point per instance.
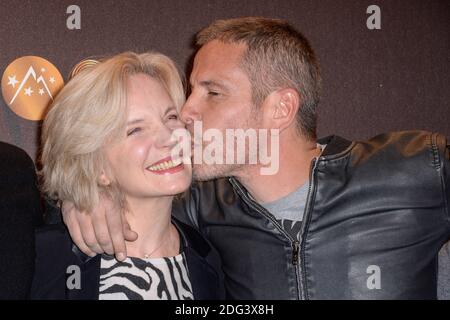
(306, 215)
(295, 244)
(256, 206)
(295, 249)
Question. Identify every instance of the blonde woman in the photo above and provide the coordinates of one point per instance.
(109, 133)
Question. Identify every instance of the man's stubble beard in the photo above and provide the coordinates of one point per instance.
(205, 172)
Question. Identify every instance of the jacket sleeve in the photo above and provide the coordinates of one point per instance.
(443, 291)
(185, 207)
(443, 145)
(20, 211)
(447, 179)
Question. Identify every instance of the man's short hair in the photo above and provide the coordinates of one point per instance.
(277, 56)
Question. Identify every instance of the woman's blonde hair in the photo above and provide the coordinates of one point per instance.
(89, 112)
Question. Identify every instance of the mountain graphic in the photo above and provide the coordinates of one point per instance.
(30, 73)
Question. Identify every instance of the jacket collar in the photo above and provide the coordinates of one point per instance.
(336, 146)
(90, 279)
(195, 248)
(189, 237)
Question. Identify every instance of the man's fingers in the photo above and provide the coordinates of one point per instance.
(87, 232)
(129, 234)
(114, 223)
(101, 231)
(67, 209)
(75, 233)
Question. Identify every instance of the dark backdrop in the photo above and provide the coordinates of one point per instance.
(396, 78)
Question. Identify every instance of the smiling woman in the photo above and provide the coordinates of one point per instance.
(109, 134)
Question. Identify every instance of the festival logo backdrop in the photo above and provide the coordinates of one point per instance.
(384, 63)
(29, 85)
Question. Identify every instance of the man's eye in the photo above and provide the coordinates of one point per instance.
(213, 93)
(133, 131)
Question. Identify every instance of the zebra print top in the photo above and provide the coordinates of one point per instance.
(147, 279)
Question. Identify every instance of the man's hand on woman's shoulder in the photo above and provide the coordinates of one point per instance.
(103, 230)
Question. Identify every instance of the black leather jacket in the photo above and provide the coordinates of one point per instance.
(376, 215)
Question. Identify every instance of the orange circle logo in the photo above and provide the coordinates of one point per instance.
(29, 85)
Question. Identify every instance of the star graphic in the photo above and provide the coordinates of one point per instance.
(12, 81)
(52, 80)
(28, 91)
(41, 91)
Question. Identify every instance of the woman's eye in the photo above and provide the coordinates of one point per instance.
(173, 117)
(133, 131)
(213, 93)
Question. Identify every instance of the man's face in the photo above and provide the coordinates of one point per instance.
(221, 98)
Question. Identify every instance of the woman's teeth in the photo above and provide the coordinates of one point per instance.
(165, 165)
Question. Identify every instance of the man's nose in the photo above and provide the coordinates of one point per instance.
(190, 111)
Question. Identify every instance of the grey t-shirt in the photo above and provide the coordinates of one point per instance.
(290, 207)
(289, 210)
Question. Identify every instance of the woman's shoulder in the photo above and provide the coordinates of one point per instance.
(9, 151)
(53, 256)
(52, 239)
(53, 250)
(57, 261)
(15, 160)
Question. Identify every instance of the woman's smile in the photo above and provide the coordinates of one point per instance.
(166, 166)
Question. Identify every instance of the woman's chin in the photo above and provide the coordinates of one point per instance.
(176, 187)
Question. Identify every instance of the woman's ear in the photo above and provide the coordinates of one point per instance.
(286, 106)
(103, 180)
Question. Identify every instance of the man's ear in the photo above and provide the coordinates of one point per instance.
(285, 104)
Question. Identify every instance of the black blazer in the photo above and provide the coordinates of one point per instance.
(20, 211)
(56, 252)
